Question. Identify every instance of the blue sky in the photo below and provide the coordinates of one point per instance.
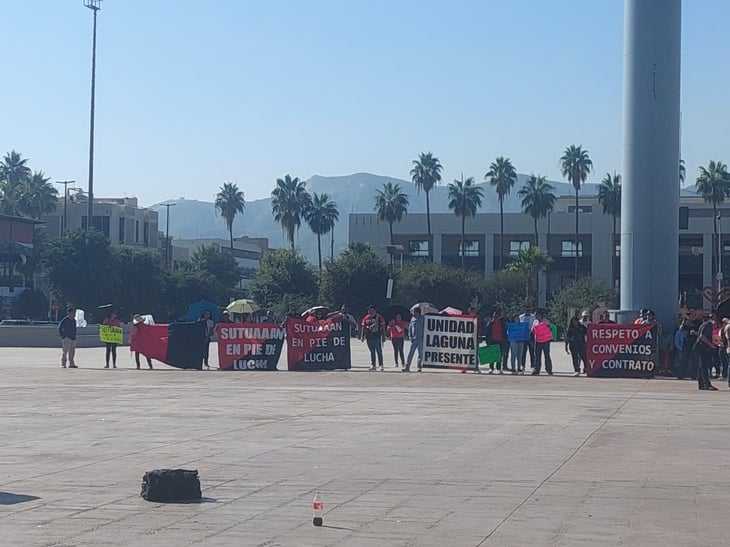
(192, 93)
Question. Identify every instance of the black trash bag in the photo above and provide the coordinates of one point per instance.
(171, 485)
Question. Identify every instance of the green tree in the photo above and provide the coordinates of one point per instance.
(321, 218)
(465, 197)
(437, 283)
(187, 286)
(609, 196)
(36, 196)
(229, 202)
(31, 304)
(575, 164)
(538, 199)
(80, 269)
(390, 205)
(358, 277)
(530, 262)
(137, 284)
(504, 290)
(14, 171)
(426, 174)
(713, 184)
(284, 276)
(218, 263)
(290, 202)
(503, 176)
(583, 294)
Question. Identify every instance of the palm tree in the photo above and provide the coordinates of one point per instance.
(609, 196)
(713, 184)
(530, 262)
(538, 199)
(503, 176)
(465, 197)
(289, 203)
(229, 202)
(391, 203)
(426, 174)
(14, 169)
(321, 217)
(575, 164)
(36, 196)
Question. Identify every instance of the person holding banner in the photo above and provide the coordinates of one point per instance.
(137, 320)
(397, 333)
(543, 336)
(111, 347)
(704, 349)
(575, 345)
(496, 334)
(518, 334)
(373, 332)
(415, 334)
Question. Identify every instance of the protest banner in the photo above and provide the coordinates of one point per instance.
(518, 332)
(320, 345)
(111, 335)
(450, 342)
(490, 354)
(622, 351)
(249, 346)
(179, 345)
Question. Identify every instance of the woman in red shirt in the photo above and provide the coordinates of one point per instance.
(397, 329)
(111, 348)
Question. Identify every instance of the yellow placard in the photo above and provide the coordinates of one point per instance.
(111, 335)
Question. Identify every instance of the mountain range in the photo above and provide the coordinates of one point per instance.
(193, 219)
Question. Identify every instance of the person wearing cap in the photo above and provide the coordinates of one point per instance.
(373, 332)
(585, 318)
(704, 348)
(641, 317)
(67, 332)
(137, 321)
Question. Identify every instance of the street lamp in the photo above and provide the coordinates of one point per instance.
(65, 202)
(95, 6)
(168, 246)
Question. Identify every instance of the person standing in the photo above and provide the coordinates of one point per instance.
(529, 318)
(111, 347)
(575, 345)
(543, 337)
(137, 322)
(209, 332)
(496, 333)
(585, 318)
(516, 351)
(415, 335)
(397, 329)
(67, 332)
(347, 318)
(704, 349)
(373, 332)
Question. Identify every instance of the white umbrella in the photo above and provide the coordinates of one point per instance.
(425, 307)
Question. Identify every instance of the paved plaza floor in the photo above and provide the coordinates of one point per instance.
(437, 458)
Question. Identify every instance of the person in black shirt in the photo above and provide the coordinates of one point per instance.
(67, 332)
(704, 349)
(575, 345)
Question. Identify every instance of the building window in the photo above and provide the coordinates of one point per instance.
(568, 248)
(146, 233)
(136, 231)
(418, 247)
(122, 229)
(617, 249)
(581, 208)
(517, 246)
(470, 247)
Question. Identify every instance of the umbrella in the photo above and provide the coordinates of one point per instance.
(451, 311)
(315, 309)
(242, 305)
(391, 311)
(426, 307)
(195, 311)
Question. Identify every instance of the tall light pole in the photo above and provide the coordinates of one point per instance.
(719, 257)
(65, 202)
(95, 6)
(168, 246)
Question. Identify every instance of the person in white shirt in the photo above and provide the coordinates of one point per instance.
(585, 318)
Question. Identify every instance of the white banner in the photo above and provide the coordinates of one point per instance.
(450, 341)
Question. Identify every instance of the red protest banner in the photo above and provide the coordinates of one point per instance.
(249, 346)
(320, 345)
(622, 351)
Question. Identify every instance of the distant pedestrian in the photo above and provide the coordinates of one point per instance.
(397, 330)
(347, 318)
(225, 317)
(270, 317)
(528, 318)
(543, 337)
(585, 318)
(67, 332)
(415, 335)
(575, 345)
(704, 348)
(605, 319)
(496, 334)
(373, 332)
(137, 323)
(111, 347)
(516, 352)
(209, 332)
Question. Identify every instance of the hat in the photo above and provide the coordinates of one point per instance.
(650, 312)
(137, 319)
(585, 313)
(371, 307)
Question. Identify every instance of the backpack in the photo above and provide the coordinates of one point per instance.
(166, 485)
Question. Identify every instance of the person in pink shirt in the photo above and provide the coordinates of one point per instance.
(111, 348)
(397, 329)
